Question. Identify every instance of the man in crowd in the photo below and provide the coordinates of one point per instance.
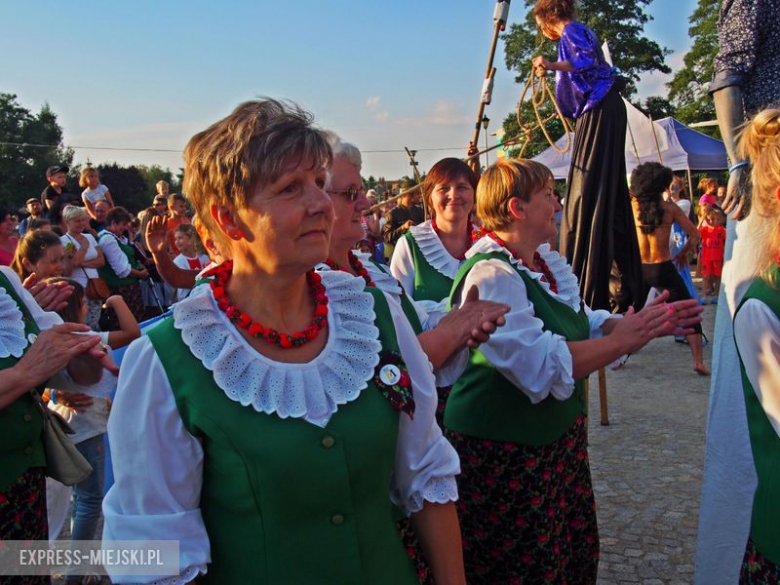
(98, 223)
(34, 210)
(404, 216)
(56, 175)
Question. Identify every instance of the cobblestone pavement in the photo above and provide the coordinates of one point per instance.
(647, 464)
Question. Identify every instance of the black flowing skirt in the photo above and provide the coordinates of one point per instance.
(598, 236)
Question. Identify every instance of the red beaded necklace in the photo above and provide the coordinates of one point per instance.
(539, 262)
(356, 265)
(221, 276)
(468, 238)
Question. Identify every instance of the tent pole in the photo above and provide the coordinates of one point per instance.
(633, 142)
(690, 185)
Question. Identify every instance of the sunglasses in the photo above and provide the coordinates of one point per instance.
(352, 193)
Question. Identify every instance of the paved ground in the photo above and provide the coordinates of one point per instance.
(647, 464)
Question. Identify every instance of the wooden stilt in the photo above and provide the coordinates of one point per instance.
(603, 397)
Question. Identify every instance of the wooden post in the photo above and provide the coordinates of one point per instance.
(603, 397)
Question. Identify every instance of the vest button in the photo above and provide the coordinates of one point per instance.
(328, 441)
(337, 519)
(28, 451)
(26, 418)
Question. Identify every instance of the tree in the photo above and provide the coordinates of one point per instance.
(23, 161)
(619, 22)
(688, 87)
(127, 186)
(657, 107)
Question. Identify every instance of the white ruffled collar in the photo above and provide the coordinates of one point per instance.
(12, 339)
(384, 281)
(433, 249)
(568, 286)
(312, 391)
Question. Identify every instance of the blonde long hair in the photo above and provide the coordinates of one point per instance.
(760, 143)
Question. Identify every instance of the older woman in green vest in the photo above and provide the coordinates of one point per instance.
(34, 347)
(270, 425)
(517, 416)
(757, 336)
(122, 270)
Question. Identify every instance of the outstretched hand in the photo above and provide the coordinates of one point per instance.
(475, 320)
(157, 235)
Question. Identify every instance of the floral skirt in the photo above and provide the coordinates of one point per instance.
(757, 569)
(527, 514)
(134, 298)
(443, 394)
(23, 516)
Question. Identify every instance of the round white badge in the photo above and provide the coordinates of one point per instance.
(31, 338)
(390, 374)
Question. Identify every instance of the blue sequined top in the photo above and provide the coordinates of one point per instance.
(582, 89)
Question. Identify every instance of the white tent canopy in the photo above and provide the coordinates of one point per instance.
(680, 147)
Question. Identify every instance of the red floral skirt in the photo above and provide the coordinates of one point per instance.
(527, 514)
(23, 516)
(757, 569)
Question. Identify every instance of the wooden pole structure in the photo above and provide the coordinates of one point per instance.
(417, 177)
(655, 137)
(603, 397)
(499, 17)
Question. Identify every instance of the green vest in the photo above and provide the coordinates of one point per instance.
(107, 273)
(484, 404)
(21, 425)
(283, 500)
(406, 303)
(765, 443)
(429, 283)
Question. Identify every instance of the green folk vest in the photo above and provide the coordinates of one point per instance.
(484, 404)
(765, 444)
(107, 273)
(21, 425)
(283, 500)
(429, 283)
(406, 304)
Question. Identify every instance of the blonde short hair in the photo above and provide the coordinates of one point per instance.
(502, 181)
(73, 212)
(250, 147)
(83, 176)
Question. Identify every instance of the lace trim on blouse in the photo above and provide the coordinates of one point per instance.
(12, 340)
(433, 249)
(312, 390)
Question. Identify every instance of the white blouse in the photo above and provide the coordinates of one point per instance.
(115, 257)
(82, 273)
(402, 262)
(158, 463)
(757, 335)
(538, 362)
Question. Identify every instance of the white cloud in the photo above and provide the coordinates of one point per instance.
(373, 102)
(382, 116)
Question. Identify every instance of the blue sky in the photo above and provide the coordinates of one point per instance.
(384, 75)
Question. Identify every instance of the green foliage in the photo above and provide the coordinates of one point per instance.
(538, 143)
(688, 87)
(23, 166)
(657, 107)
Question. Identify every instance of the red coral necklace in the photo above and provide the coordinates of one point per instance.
(539, 264)
(356, 265)
(221, 276)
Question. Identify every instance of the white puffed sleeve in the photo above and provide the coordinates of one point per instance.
(44, 319)
(115, 258)
(402, 264)
(425, 462)
(757, 335)
(596, 320)
(158, 467)
(538, 362)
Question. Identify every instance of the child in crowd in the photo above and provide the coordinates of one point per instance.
(163, 188)
(94, 190)
(191, 256)
(710, 193)
(56, 176)
(366, 246)
(39, 252)
(87, 413)
(713, 244)
(177, 207)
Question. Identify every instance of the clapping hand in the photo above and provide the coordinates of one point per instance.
(50, 297)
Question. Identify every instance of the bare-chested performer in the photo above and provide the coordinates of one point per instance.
(654, 217)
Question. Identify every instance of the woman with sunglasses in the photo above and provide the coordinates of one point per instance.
(280, 412)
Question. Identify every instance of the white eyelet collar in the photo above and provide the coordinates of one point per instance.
(568, 286)
(433, 249)
(312, 390)
(12, 340)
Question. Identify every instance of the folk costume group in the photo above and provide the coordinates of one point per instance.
(282, 423)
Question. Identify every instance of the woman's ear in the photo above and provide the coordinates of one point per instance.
(227, 221)
(516, 207)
